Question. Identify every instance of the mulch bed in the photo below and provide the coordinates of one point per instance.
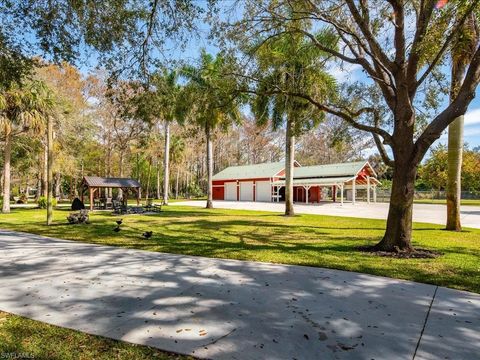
(417, 253)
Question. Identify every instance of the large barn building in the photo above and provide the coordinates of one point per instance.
(266, 182)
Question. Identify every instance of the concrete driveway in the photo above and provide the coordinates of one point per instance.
(427, 213)
(225, 309)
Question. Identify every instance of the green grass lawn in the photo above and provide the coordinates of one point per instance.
(261, 236)
(22, 338)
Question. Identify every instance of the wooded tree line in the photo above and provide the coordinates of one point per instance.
(274, 56)
(433, 174)
(94, 136)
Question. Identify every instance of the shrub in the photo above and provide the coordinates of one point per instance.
(195, 191)
(42, 202)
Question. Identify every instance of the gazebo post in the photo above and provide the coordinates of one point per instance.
(375, 193)
(306, 193)
(334, 193)
(91, 198)
(341, 194)
(138, 196)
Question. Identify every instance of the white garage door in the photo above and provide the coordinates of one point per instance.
(231, 191)
(246, 191)
(264, 191)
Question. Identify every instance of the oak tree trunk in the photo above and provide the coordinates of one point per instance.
(209, 167)
(289, 165)
(7, 152)
(166, 164)
(398, 234)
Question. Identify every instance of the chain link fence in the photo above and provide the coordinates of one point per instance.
(433, 196)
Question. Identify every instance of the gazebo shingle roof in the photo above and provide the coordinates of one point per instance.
(103, 182)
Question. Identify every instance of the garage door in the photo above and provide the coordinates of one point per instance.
(264, 191)
(231, 191)
(246, 191)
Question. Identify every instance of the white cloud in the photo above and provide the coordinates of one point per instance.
(472, 117)
(345, 72)
(472, 132)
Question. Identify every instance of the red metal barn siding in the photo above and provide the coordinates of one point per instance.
(218, 190)
(314, 194)
(218, 193)
(366, 171)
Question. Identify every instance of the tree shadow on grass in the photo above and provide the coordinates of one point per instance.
(243, 309)
(210, 308)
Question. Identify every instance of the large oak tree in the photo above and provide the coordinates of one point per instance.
(402, 48)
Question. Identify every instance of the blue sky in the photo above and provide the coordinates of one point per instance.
(472, 118)
(348, 73)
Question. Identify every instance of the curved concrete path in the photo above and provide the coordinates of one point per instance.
(225, 309)
(426, 213)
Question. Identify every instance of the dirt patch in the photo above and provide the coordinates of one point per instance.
(417, 253)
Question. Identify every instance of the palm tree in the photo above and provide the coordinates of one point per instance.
(289, 64)
(210, 100)
(22, 108)
(462, 51)
(166, 93)
(177, 150)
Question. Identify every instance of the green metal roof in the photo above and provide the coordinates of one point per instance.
(330, 170)
(265, 170)
(268, 170)
(323, 181)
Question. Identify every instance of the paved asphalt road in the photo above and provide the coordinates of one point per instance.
(226, 309)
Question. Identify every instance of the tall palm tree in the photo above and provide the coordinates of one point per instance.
(22, 108)
(166, 92)
(290, 64)
(462, 51)
(210, 100)
(177, 150)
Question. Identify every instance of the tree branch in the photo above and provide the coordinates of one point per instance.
(447, 42)
(365, 29)
(383, 152)
(423, 20)
(457, 107)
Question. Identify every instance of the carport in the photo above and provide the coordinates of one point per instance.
(336, 184)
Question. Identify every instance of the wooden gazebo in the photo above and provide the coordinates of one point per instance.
(95, 183)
